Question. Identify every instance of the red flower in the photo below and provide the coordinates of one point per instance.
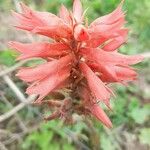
(81, 59)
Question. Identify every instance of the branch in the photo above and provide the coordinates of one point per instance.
(14, 88)
(17, 108)
(17, 117)
(13, 68)
(146, 55)
(2, 146)
(75, 139)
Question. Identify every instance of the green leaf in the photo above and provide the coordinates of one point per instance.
(140, 115)
(106, 143)
(68, 147)
(144, 136)
(7, 57)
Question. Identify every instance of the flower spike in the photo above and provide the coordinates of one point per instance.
(82, 60)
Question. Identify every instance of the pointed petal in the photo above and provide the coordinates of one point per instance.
(108, 33)
(77, 10)
(100, 56)
(64, 14)
(106, 71)
(30, 20)
(39, 49)
(125, 73)
(107, 30)
(44, 70)
(96, 86)
(55, 32)
(95, 41)
(110, 18)
(100, 115)
(116, 42)
(49, 84)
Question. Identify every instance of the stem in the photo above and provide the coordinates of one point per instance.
(94, 138)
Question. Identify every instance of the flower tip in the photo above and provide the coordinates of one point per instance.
(17, 74)
(109, 125)
(140, 58)
(23, 6)
(11, 43)
(121, 3)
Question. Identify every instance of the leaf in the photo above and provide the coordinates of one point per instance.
(7, 57)
(68, 147)
(106, 143)
(140, 115)
(134, 103)
(145, 136)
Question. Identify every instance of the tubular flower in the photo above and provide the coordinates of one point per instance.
(81, 60)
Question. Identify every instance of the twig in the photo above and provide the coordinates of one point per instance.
(74, 138)
(13, 68)
(10, 136)
(2, 146)
(17, 108)
(146, 55)
(18, 119)
(14, 88)
(94, 137)
(17, 5)
(18, 136)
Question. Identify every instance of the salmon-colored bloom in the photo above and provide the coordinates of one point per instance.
(82, 59)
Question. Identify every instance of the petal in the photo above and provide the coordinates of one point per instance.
(100, 115)
(44, 70)
(116, 42)
(116, 35)
(96, 86)
(64, 14)
(39, 49)
(100, 56)
(49, 84)
(125, 73)
(30, 20)
(107, 30)
(111, 73)
(110, 18)
(106, 71)
(77, 10)
(95, 41)
(55, 32)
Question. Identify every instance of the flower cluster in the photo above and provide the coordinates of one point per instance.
(82, 59)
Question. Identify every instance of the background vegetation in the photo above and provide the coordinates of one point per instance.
(26, 130)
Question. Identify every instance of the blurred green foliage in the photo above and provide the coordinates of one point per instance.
(128, 110)
(48, 136)
(7, 57)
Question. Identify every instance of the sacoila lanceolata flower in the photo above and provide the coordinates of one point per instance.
(82, 60)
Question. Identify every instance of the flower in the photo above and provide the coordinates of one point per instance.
(82, 59)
